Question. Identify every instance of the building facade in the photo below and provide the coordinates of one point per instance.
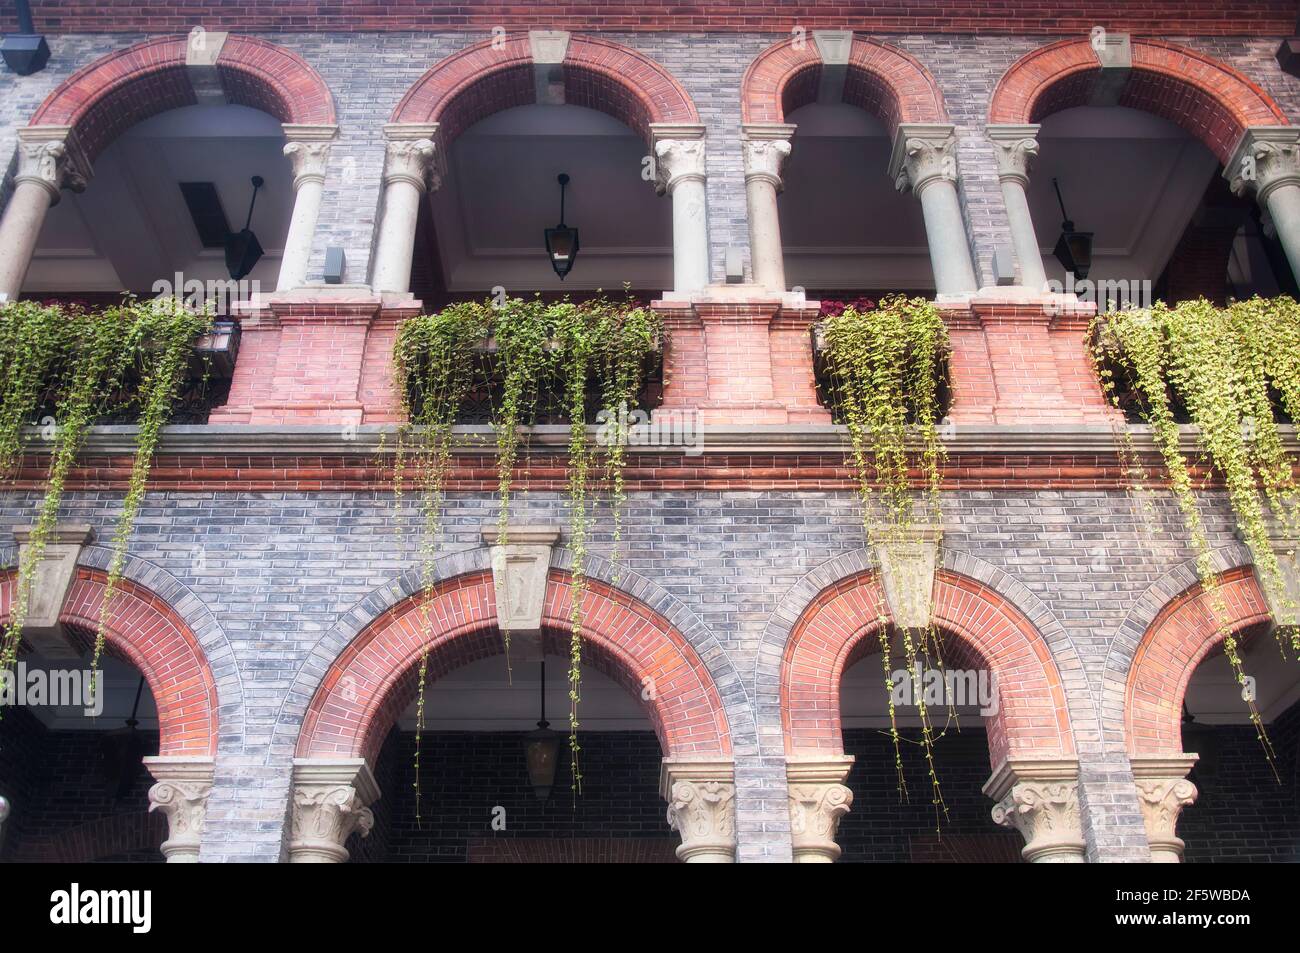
(740, 170)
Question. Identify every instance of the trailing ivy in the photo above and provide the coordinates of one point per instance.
(885, 365)
(1228, 371)
(525, 353)
(79, 367)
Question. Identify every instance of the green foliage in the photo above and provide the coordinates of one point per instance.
(81, 366)
(594, 350)
(885, 366)
(1229, 370)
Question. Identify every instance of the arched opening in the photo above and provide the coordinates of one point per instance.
(648, 707)
(138, 171)
(120, 771)
(1229, 804)
(1172, 218)
(997, 681)
(503, 120)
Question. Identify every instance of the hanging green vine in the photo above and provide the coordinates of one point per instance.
(536, 360)
(885, 366)
(81, 367)
(1227, 371)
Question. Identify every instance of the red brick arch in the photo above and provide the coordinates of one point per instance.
(883, 80)
(486, 78)
(1176, 642)
(832, 634)
(144, 630)
(1211, 100)
(105, 98)
(373, 680)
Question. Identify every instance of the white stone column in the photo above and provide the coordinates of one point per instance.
(308, 150)
(49, 159)
(924, 161)
(680, 172)
(701, 798)
(1267, 163)
(1041, 800)
(818, 799)
(1016, 147)
(181, 793)
(1163, 791)
(331, 799)
(765, 148)
(411, 168)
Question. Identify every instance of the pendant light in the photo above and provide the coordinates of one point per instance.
(562, 241)
(542, 749)
(243, 250)
(1073, 249)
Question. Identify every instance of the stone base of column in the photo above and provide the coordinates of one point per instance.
(818, 799)
(1019, 356)
(701, 798)
(330, 801)
(317, 355)
(181, 793)
(740, 355)
(1040, 798)
(1163, 791)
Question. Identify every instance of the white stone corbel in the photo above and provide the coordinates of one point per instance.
(1040, 798)
(549, 48)
(1163, 791)
(908, 559)
(1114, 53)
(51, 582)
(1282, 595)
(181, 793)
(331, 800)
(701, 798)
(202, 49)
(818, 800)
(519, 571)
(833, 46)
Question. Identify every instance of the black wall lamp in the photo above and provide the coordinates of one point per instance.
(1073, 249)
(243, 250)
(562, 241)
(26, 51)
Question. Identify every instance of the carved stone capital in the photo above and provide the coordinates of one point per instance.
(411, 155)
(182, 795)
(924, 153)
(331, 801)
(701, 807)
(53, 577)
(51, 157)
(308, 149)
(908, 559)
(765, 147)
(1266, 159)
(1163, 791)
(1041, 800)
(1016, 148)
(676, 161)
(818, 799)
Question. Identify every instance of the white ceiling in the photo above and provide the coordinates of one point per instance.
(131, 228)
(501, 193)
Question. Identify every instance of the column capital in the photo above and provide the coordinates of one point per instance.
(701, 798)
(330, 801)
(765, 147)
(1163, 791)
(308, 149)
(181, 793)
(1016, 148)
(1266, 159)
(924, 153)
(52, 157)
(1040, 798)
(411, 155)
(679, 155)
(818, 799)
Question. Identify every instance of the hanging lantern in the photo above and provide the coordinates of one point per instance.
(542, 751)
(1073, 248)
(562, 241)
(243, 250)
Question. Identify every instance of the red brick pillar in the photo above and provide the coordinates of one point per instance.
(742, 357)
(1019, 361)
(316, 358)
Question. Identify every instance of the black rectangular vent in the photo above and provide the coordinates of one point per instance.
(205, 210)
